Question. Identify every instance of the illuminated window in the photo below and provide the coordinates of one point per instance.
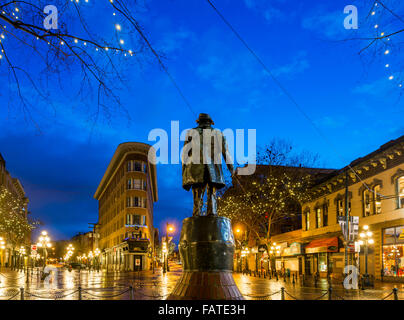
(137, 184)
(318, 218)
(308, 220)
(400, 191)
(366, 203)
(377, 200)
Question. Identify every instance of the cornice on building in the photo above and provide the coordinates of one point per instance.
(387, 156)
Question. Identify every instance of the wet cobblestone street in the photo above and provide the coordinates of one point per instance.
(64, 285)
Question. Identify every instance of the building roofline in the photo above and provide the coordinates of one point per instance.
(121, 151)
(363, 160)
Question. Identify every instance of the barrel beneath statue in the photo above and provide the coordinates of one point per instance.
(206, 248)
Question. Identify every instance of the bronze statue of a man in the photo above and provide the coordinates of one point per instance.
(202, 163)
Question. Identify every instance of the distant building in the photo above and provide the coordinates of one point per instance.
(14, 201)
(126, 195)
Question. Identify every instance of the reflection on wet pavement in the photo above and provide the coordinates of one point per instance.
(144, 285)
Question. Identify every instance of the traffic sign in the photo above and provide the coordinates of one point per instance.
(33, 247)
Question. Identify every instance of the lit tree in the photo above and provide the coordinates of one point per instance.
(34, 55)
(14, 224)
(272, 194)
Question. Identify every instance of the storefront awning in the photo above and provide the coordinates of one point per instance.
(323, 245)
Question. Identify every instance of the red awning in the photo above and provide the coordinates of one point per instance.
(327, 242)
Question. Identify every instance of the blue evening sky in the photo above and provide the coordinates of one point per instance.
(349, 99)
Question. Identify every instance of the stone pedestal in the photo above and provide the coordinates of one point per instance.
(206, 248)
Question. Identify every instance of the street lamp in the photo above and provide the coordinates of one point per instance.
(97, 254)
(2, 248)
(366, 239)
(166, 268)
(44, 242)
(22, 254)
(70, 251)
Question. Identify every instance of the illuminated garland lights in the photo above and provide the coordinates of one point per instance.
(387, 51)
(13, 222)
(264, 202)
(63, 39)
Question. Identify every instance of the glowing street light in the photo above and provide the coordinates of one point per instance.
(366, 239)
(44, 242)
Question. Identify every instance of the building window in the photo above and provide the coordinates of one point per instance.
(318, 218)
(325, 215)
(129, 166)
(137, 184)
(308, 220)
(128, 202)
(128, 219)
(377, 200)
(393, 252)
(400, 192)
(129, 184)
(137, 166)
(136, 219)
(366, 203)
(136, 202)
(340, 208)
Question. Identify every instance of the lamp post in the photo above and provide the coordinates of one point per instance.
(90, 259)
(366, 239)
(69, 253)
(44, 242)
(239, 261)
(166, 268)
(2, 248)
(97, 254)
(274, 250)
(22, 255)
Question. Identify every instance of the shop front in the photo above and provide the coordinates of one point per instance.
(393, 252)
(292, 259)
(318, 256)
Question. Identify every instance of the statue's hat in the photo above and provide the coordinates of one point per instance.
(204, 118)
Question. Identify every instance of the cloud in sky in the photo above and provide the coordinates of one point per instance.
(326, 23)
(267, 9)
(298, 64)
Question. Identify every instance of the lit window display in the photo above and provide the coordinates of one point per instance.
(393, 252)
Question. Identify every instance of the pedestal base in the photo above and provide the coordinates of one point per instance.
(200, 285)
(207, 249)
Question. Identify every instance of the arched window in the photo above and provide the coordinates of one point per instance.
(377, 200)
(308, 220)
(366, 203)
(318, 217)
(400, 192)
(325, 214)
